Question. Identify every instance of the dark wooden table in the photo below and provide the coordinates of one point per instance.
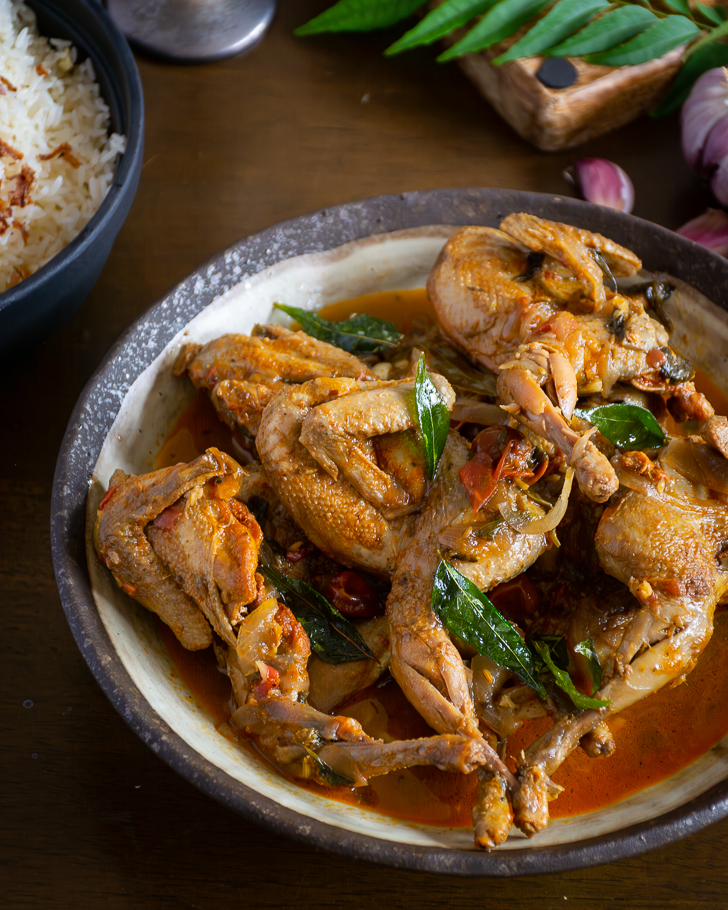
(91, 818)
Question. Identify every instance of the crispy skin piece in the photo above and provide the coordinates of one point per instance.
(333, 514)
(663, 540)
(243, 373)
(553, 329)
(268, 674)
(284, 357)
(177, 522)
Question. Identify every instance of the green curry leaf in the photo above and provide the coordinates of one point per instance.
(359, 16)
(433, 417)
(359, 334)
(547, 653)
(627, 426)
(586, 649)
(333, 637)
(559, 22)
(468, 613)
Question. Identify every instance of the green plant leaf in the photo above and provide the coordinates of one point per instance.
(499, 23)
(559, 22)
(656, 41)
(359, 16)
(705, 58)
(440, 21)
(680, 6)
(627, 426)
(433, 417)
(333, 637)
(359, 334)
(607, 31)
(325, 773)
(561, 676)
(586, 649)
(468, 613)
(714, 14)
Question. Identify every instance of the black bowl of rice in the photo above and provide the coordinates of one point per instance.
(71, 143)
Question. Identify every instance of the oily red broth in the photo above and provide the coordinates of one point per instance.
(655, 738)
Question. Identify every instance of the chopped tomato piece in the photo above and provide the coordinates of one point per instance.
(269, 679)
(107, 497)
(353, 596)
(169, 518)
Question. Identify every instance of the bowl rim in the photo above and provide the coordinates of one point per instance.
(126, 168)
(144, 340)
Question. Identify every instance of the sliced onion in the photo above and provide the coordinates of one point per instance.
(473, 411)
(551, 521)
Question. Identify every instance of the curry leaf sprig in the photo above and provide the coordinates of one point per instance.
(433, 417)
(621, 33)
(333, 637)
(360, 334)
(468, 613)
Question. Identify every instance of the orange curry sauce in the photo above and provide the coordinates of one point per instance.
(655, 738)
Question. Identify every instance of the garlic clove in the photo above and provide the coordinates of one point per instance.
(709, 230)
(604, 183)
(705, 106)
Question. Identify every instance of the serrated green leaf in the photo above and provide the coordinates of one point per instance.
(333, 637)
(361, 333)
(440, 21)
(714, 14)
(559, 22)
(656, 41)
(468, 613)
(496, 25)
(359, 16)
(433, 417)
(562, 678)
(627, 426)
(586, 649)
(706, 58)
(609, 30)
(680, 6)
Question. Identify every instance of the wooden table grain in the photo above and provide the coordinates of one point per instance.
(91, 818)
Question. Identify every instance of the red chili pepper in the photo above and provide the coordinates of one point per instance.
(107, 497)
(478, 478)
(353, 596)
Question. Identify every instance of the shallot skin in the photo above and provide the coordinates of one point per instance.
(605, 183)
(704, 122)
(709, 230)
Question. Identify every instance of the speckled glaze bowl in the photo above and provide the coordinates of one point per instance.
(131, 402)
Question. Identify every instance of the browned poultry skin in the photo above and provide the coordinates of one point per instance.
(663, 540)
(333, 514)
(308, 743)
(172, 542)
(242, 372)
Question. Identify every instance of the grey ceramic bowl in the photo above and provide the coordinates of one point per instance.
(382, 243)
(32, 310)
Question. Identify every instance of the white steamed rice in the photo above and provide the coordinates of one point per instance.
(47, 101)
